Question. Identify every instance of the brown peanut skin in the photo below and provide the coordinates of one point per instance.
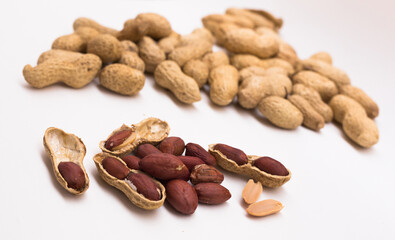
(145, 186)
(164, 166)
(132, 162)
(172, 145)
(232, 153)
(190, 161)
(117, 139)
(73, 174)
(271, 166)
(195, 150)
(212, 193)
(205, 173)
(115, 168)
(146, 149)
(181, 196)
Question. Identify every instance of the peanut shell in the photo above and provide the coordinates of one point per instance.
(150, 130)
(65, 147)
(137, 199)
(249, 170)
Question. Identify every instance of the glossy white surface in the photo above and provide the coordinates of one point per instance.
(338, 190)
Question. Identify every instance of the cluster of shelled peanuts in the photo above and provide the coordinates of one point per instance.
(258, 68)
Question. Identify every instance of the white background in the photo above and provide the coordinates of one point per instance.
(337, 191)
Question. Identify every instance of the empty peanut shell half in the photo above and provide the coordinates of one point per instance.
(268, 179)
(264, 208)
(67, 152)
(125, 139)
(126, 186)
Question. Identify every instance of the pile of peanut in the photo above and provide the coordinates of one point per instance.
(258, 68)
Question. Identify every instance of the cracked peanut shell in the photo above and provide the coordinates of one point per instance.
(62, 147)
(248, 169)
(136, 198)
(150, 130)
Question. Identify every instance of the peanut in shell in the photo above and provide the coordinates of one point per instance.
(150, 130)
(62, 147)
(136, 198)
(248, 169)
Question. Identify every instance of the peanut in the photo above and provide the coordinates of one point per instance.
(247, 41)
(241, 61)
(278, 22)
(122, 79)
(132, 162)
(106, 46)
(197, 35)
(132, 59)
(59, 55)
(195, 150)
(147, 131)
(271, 166)
(314, 98)
(327, 70)
(264, 208)
(311, 118)
(141, 190)
(253, 89)
(76, 41)
(251, 191)
(75, 71)
(146, 149)
(169, 75)
(66, 152)
(215, 59)
(182, 196)
(71, 42)
(325, 87)
(205, 173)
(129, 46)
(86, 22)
(234, 154)
(73, 175)
(322, 56)
(356, 124)
(185, 52)
(212, 193)
(223, 82)
(281, 112)
(198, 70)
(145, 24)
(259, 20)
(363, 131)
(190, 161)
(150, 53)
(172, 145)
(145, 186)
(115, 168)
(164, 166)
(247, 168)
(118, 138)
(362, 98)
(287, 53)
(169, 43)
(213, 21)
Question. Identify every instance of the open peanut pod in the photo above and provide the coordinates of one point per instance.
(125, 139)
(128, 187)
(67, 152)
(275, 174)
